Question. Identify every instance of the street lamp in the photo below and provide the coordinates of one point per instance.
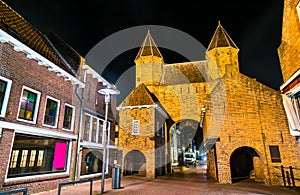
(107, 92)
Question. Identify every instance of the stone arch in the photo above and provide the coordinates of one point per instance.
(186, 135)
(246, 163)
(135, 163)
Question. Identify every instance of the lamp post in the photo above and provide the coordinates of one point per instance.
(107, 92)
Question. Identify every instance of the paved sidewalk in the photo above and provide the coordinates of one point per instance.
(190, 182)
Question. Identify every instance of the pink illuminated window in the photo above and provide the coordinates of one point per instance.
(60, 154)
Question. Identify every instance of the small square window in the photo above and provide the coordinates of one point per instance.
(51, 112)
(68, 117)
(29, 104)
(5, 86)
(275, 154)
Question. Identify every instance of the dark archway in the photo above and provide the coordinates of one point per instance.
(187, 136)
(241, 163)
(93, 161)
(135, 163)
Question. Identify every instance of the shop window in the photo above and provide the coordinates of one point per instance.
(275, 154)
(91, 162)
(29, 105)
(68, 117)
(32, 155)
(51, 112)
(5, 86)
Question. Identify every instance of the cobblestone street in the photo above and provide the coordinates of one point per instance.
(191, 181)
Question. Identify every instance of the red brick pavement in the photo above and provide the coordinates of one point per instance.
(190, 182)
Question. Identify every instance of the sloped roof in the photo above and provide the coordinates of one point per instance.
(187, 72)
(72, 57)
(140, 96)
(148, 48)
(221, 39)
(15, 25)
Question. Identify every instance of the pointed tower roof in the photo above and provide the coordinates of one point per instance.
(221, 39)
(149, 49)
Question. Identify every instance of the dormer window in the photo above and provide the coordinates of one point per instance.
(13, 33)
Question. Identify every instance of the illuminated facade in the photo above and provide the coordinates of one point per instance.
(206, 104)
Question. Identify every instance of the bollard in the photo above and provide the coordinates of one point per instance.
(288, 178)
(283, 176)
(292, 176)
(116, 177)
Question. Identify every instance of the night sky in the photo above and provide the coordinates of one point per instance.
(255, 27)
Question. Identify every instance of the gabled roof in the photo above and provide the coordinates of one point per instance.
(15, 25)
(221, 39)
(148, 48)
(140, 96)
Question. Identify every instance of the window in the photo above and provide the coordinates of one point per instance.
(68, 117)
(93, 129)
(35, 155)
(135, 127)
(28, 105)
(87, 127)
(51, 112)
(275, 155)
(292, 109)
(5, 86)
(91, 161)
(14, 158)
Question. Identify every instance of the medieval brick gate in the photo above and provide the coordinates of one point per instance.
(240, 118)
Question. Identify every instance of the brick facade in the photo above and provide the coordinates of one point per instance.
(289, 48)
(289, 57)
(26, 72)
(39, 150)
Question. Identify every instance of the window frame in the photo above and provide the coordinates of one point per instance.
(41, 163)
(274, 157)
(136, 125)
(99, 125)
(72, 119)
(57, 112)
(6, 95)
(36, 109)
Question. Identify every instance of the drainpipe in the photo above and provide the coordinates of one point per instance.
(78, 148)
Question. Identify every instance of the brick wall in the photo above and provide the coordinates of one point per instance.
(254, 118)
(289, 48)
(26, 72)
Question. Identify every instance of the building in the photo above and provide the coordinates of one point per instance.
(44, 110)
(288, 52)
(93, 119)
(239, 122)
